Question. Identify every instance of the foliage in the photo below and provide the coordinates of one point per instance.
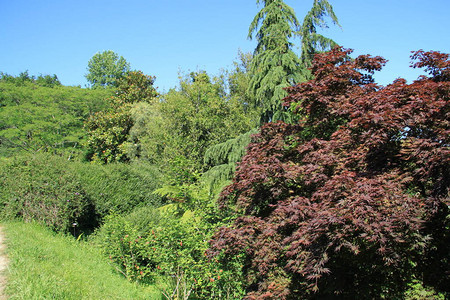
(170, 254)
(105, 68)
(135, 87)
(119, 188)
(222, 159)
(55, 192)
(238, 80)
(417, 291)
(44, 265)
(180, 128)
(24, 77)
(274, 65)
(108, 131)
(350, 201)
(311, 41)
(36, 118)
(41, 187)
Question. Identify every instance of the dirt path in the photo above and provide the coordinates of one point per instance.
(3, 265)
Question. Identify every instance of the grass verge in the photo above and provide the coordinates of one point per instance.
(45, 265)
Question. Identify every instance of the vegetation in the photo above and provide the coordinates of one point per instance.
(311, 41)
(289, 176)
(275, 66)
(43, 265)
(45, 118)
(105, 68)
(40, 187)
(108, 131)
(344, 203)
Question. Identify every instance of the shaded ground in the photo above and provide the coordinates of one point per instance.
(3, 265)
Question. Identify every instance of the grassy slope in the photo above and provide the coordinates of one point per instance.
(44, 265)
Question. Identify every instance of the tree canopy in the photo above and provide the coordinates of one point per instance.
(40, 115)
(105, 68)
(311, 41)
(108, 131)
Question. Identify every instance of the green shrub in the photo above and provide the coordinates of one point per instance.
(417, 291)
(144, 218)
(119, 187)
(170, 254)
(41, 187)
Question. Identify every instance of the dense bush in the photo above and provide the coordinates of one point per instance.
(119, 187)
(167, 247)
(108, 131)
(42, 187)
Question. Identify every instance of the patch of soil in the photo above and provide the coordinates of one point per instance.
(3, 265)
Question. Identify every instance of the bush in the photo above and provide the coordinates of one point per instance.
(171, 253)
(118, 187)
(42, 187)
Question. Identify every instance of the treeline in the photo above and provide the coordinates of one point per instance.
(285, 177)
(36, 117)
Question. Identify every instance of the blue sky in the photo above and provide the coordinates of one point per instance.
(164, 38)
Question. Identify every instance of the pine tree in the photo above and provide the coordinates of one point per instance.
(221, 159)
(274, 65)
(311, 41)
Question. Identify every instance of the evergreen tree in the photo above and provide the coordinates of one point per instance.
(274, 65)
(311, 41)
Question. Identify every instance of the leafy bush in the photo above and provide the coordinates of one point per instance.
(171, 253)
(108, 132)
(118, 187)
(42, 187)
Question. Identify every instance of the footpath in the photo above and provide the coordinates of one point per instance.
(3, 264)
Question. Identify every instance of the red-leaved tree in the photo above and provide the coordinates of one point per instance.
(353, 201)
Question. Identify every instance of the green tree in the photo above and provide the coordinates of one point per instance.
(24, 77)
(105, 68)
(188, 120)
(274, 66)
(108, 131)
(311, 41)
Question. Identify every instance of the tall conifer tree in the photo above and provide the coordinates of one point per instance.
(311, 41)
(274, 65)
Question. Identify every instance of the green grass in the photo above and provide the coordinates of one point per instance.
(45, 265)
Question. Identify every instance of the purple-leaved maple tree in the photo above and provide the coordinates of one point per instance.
(353, 201)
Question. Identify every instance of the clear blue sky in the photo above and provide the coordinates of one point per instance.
(162, 38)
